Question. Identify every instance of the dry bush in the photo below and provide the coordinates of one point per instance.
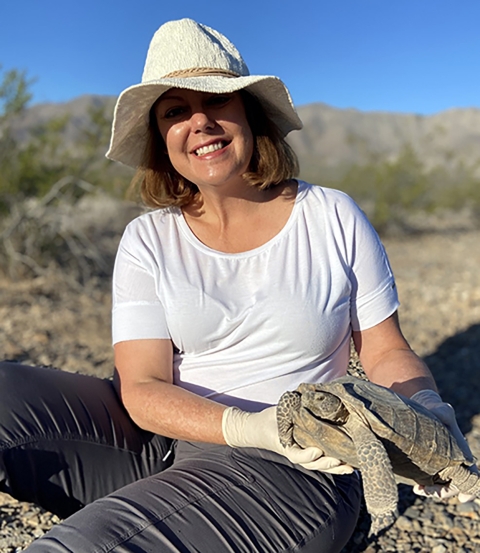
(75, 227)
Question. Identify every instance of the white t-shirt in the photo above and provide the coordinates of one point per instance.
(248, 326)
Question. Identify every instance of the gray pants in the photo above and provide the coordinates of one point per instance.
(67, 444)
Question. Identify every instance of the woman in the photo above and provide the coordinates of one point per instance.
(243, 284)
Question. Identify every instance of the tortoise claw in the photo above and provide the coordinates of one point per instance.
(382, 522)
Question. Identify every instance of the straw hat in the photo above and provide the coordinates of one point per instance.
(187, 54)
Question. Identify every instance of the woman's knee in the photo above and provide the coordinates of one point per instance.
(16, 386)
(9, 373)
(18, 383)
(14, 383)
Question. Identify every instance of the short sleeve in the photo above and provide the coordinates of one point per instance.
(374, 294)
(137, 311)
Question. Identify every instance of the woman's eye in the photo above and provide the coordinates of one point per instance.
(174, 112)
(219, 100)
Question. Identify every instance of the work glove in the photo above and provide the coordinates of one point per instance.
(445, 412)
(244, 429)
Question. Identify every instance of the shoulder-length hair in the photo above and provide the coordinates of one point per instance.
(273, 161)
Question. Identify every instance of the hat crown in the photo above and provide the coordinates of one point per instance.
(187, 45)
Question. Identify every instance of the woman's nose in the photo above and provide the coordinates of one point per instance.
(201, 121)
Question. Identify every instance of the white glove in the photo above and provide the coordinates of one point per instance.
(243, 429)
(445, 412)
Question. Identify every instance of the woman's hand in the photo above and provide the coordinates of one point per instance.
(445, 412)
(243, 429)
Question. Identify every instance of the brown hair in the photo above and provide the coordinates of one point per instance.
(273, 161)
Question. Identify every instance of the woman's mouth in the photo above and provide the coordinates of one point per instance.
(210, 148)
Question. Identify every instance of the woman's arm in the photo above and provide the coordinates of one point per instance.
(144, 380)
(389, 361)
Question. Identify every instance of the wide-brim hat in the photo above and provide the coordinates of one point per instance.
(186, 54)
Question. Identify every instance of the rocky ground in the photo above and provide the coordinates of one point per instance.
(44, 321)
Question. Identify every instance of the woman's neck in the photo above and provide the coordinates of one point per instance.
(241, 222)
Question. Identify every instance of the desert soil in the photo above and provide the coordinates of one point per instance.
(46, 322)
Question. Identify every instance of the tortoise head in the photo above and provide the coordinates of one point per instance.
(325, 405)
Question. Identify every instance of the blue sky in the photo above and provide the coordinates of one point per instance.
(419, 56)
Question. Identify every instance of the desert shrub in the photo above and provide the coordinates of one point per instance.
(60, 208)
(394, 191)
(30, 167)
(456, 188)
(64, 230)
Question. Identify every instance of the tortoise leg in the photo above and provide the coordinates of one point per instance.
(462, 478)
(287, 405)
(379, 485)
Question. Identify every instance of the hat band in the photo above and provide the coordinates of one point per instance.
(200, 72)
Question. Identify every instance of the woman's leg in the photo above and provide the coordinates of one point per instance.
(66, 440)
(215, 498)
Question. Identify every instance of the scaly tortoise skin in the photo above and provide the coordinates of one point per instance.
(379, 432)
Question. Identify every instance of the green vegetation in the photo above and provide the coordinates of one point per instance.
(31, 169)
(48, 192)
(393, 192)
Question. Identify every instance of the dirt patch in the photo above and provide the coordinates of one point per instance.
(47, 322)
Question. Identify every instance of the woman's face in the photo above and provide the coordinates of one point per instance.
(208, 138)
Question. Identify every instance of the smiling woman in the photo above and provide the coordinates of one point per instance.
(242, 284)
(272, 161)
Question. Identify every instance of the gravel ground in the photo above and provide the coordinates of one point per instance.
(438, 277)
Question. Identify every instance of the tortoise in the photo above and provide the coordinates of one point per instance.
(379, 432)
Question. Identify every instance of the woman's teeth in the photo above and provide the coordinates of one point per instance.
(209, 149)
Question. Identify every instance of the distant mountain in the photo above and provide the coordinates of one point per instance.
(76, 109)
(331, 137)
(334, 137)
